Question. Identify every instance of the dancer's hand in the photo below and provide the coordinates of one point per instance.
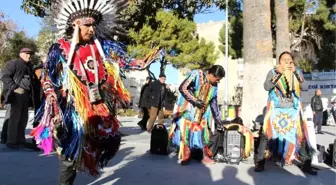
(199, 104)
(280, 69)
(219, 126)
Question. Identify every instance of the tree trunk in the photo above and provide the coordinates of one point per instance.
(163, 65)
(282, 27)
(257, 57)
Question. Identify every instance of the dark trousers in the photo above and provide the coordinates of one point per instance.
(18, 118)
(5, 124)
(67, 172)
(318, 119)
(145, 117)
(216, 142)
(304, 154)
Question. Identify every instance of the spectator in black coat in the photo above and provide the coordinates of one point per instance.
(18, 91)
(144, 103)
(157, 97)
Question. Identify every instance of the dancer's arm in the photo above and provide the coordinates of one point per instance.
(215, 112)
(185, 87)
(271, 79)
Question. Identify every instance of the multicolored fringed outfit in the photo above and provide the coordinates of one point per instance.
(80, 121)
(284, 126)
(192, 126)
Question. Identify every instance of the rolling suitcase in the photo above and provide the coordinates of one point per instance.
(159, 140)
(233, 146)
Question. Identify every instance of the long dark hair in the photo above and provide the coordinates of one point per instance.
(217, 70)
(288, 53)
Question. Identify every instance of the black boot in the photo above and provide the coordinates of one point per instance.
(307, 168)
(259, 166)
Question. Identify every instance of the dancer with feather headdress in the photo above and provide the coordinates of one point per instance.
(82, 86)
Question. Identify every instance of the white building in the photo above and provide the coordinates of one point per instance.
(133, 83)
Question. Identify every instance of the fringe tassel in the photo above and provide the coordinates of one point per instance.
(289, 152)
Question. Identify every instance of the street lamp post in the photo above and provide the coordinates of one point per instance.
(226, 104)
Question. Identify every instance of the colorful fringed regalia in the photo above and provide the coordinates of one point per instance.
(80, 122)
(287, 125)
(191, 126)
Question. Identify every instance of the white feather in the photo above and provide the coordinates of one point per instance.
(71, 7)
(64, 18)
(73, 44)
(86, 4)
(100, 49)
(91, 4)
(105, 8)
(82, 4)
(60, 33)
(77, 5)
(67, 8)
(102, 5)
(109, 11)
(61, 27)
(65, 13)
(97, 5)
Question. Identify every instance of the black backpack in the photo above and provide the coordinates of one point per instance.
(159, 140)
(331, 155)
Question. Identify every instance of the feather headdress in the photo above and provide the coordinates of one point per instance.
(106, 14)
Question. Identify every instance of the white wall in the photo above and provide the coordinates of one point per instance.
(133, 83)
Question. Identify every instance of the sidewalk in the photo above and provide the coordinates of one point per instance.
(133, 165)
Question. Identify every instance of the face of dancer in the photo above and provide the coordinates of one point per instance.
(286, 61)
(86, 32)
(86, 28)
(214, 80)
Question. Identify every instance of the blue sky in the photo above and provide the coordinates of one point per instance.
(31, 25)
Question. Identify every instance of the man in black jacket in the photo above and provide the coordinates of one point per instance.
(157, 97)
(317, 107)
(18, 92)
(144, 103)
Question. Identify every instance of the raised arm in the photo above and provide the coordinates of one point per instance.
(185, 87)
(50, 74)
(271, 79)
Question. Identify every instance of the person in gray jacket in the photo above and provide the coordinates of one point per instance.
(317, 107)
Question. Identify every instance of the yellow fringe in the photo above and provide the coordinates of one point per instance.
(80, 97)
(111, 71)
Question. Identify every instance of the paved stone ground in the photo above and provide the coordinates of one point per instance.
(134, 165)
